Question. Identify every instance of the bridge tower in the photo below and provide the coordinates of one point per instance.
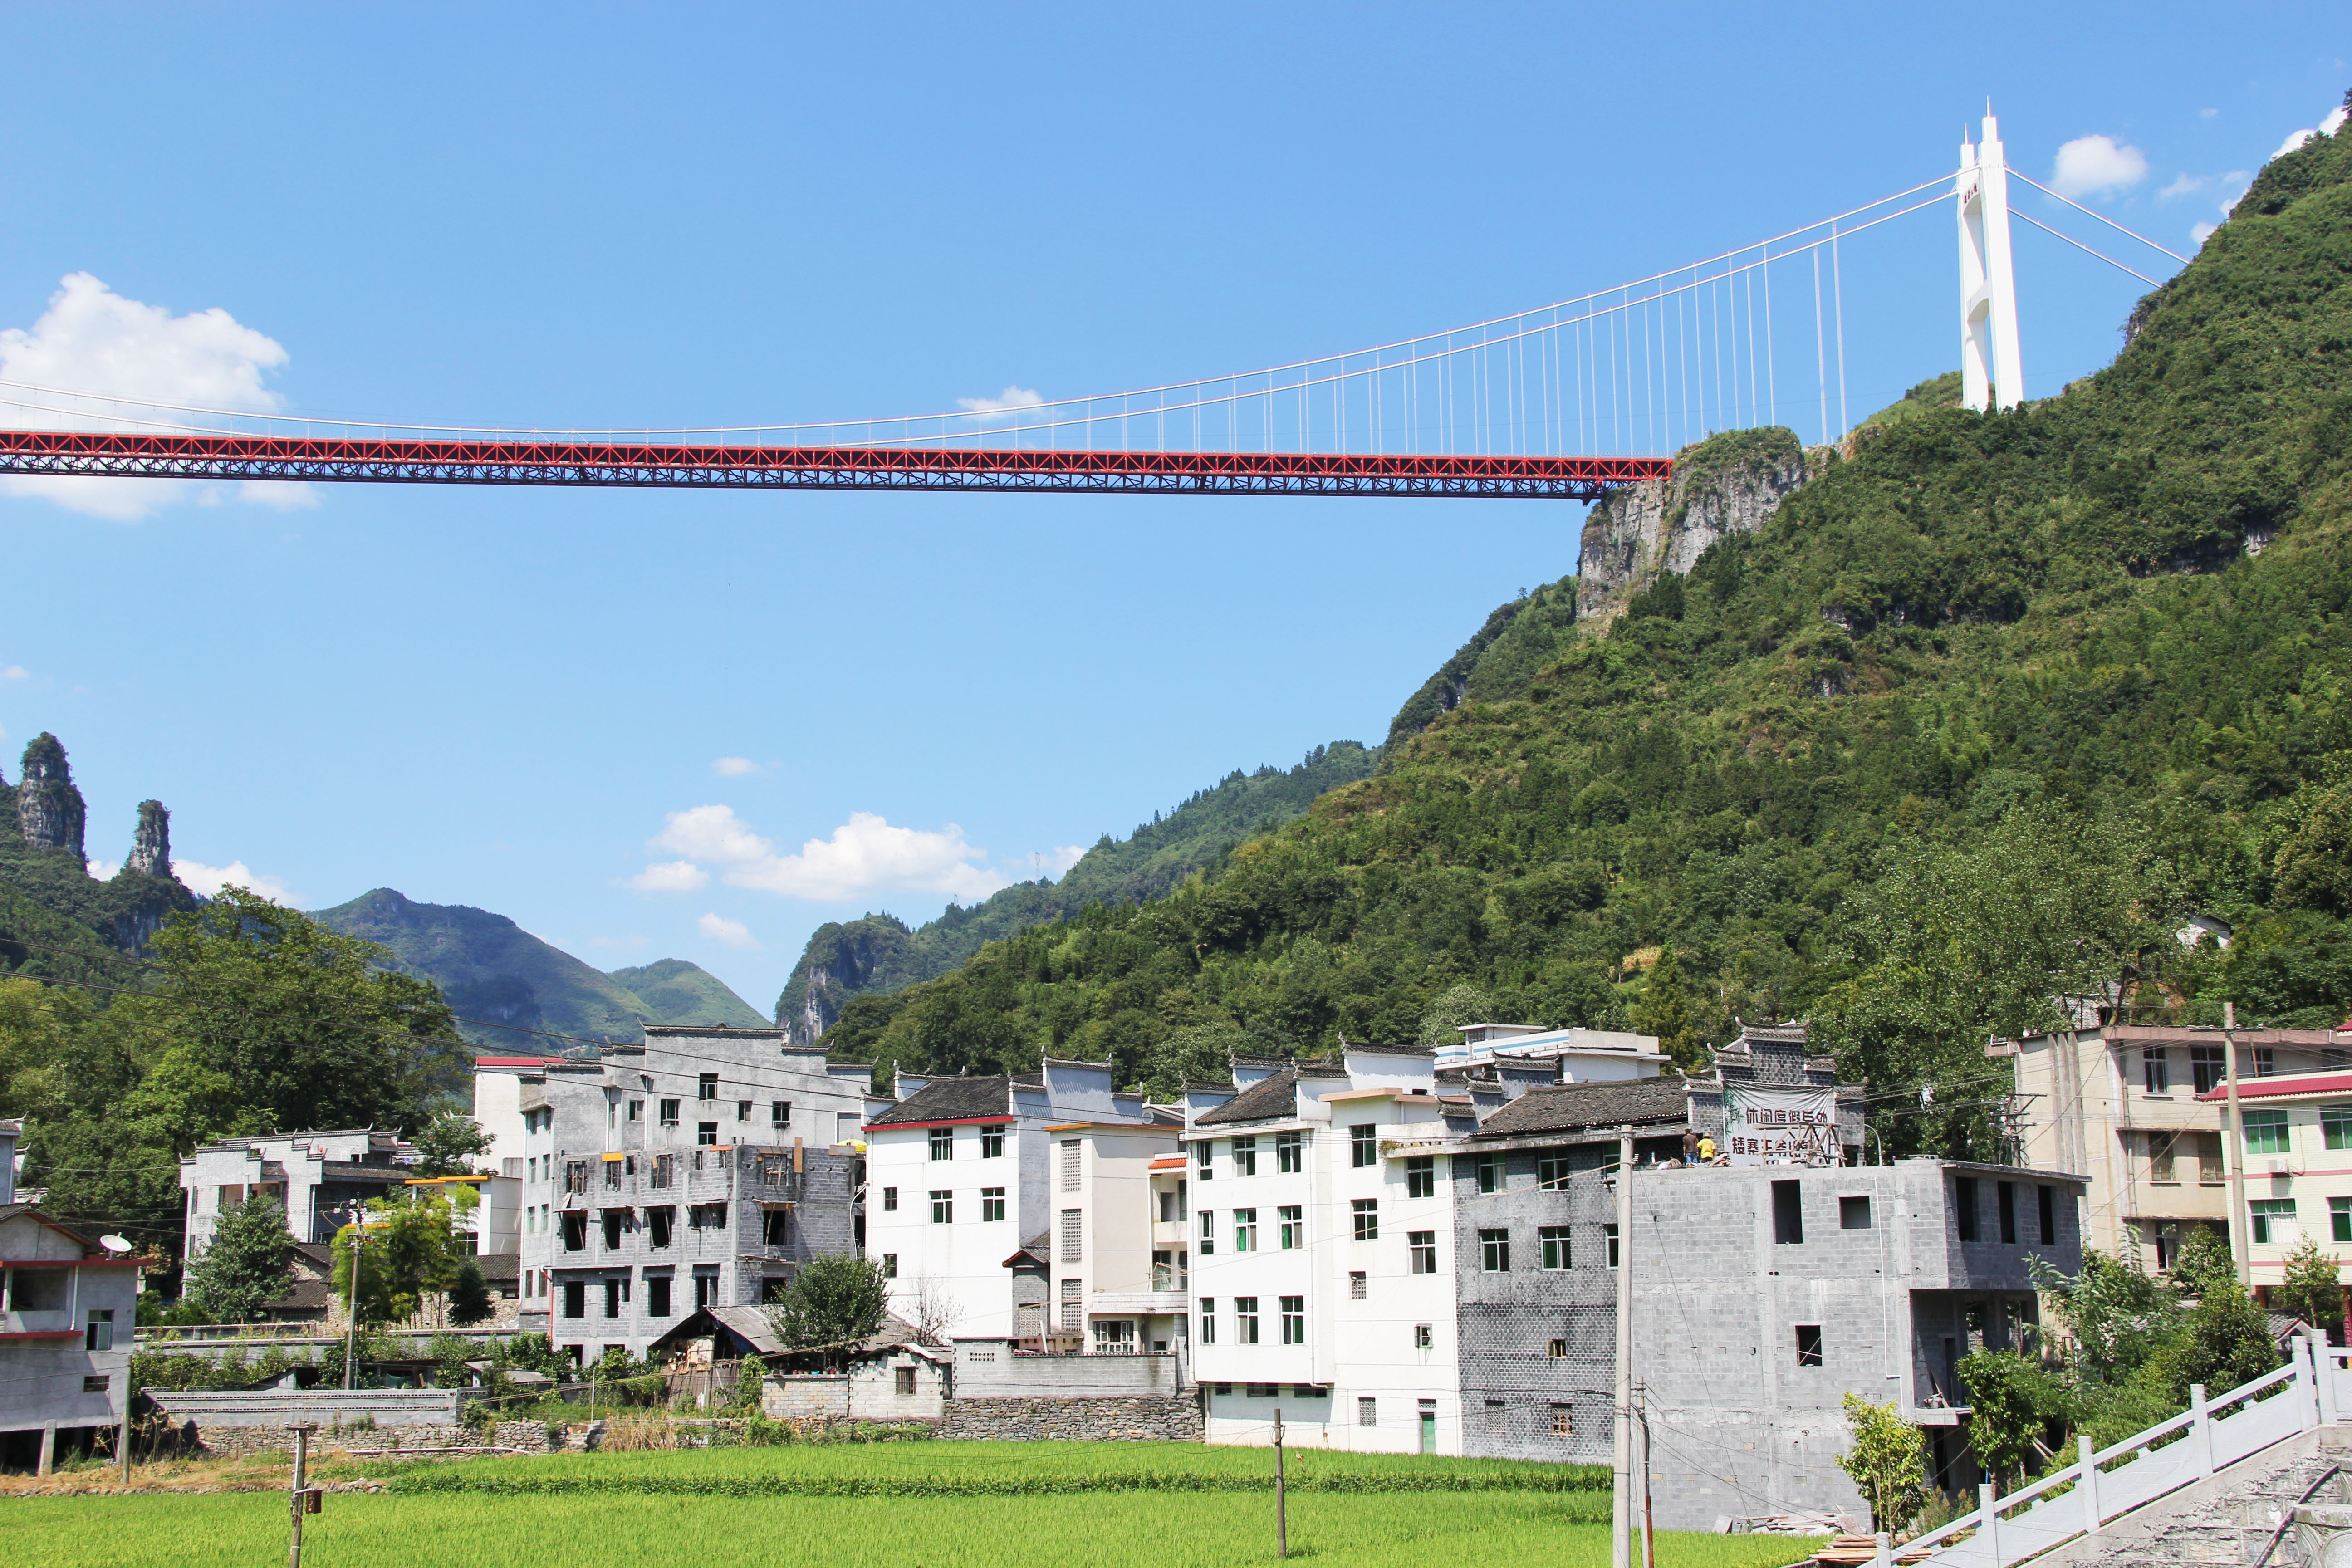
(1990, 374)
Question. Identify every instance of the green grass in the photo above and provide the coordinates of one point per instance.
(1148, 1531)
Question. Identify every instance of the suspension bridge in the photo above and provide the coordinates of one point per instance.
(1563, 402)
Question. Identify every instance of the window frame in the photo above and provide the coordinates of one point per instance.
(991, 1142)
(1245, 1229)
(1291, 1219)
(1246, 1320)
(1245, 1156)
(942, 1143)
(1421, 1176)
(991, 1205)
(1495, 1250)
(1490, 1174)
(1421, 1251)
(1363, 1145)
(942, 1206)
(1558, 1250)
(1289, 1154)
(2276, 1129)
(1366, 1215)
(1293, 1311)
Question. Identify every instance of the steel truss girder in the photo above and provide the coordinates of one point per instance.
(402, 461)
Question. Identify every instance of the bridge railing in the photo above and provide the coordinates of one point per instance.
(2078, 1501)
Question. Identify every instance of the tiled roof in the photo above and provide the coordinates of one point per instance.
(1391, 1050)
(1558, 1108)
(951, 1100)
(1276, 1095)
(2284, 1085)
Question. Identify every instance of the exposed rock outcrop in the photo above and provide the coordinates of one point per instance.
(841, 959)
(1727, 484)
(49, 810)
(150, 844)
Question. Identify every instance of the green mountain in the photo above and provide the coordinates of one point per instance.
(878, 954)
(1949, 740)
(494, 973)
(65, 922)
(677, 991)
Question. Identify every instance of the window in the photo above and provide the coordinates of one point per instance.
(2210, 1172)
(1244, 1156)
(1853, 1213)
(1163, 1271)
(991, 1203)
(1289, 1158)
(95, 1383)
(1246, 1320)
(656, 1296)
(575, 1297)
(2208, 1066)
(889, 1265)
(1367, 1215)
(706, 1217)
(612, 1113)
(2336, 1125)
(943, 1207)
(1423, 1337)
(905, 1379)
(1363, 1148)
(1073, 1235)
(1421, 1176)
(1245, 1230)
(991, 1142)
(636, 1110)
(2265, 1131)
(1293, 1226)
(1421, 1251)
(614, 1221)
(2005, 1205)
(2047, 1198)
(1498, 1419)
(1554, 1239)
(1809, 1344)
(1787, 1213)
(942, 1142)
(707, 1087)
(1609, 1243)
(575, 1230)
(1208, 1232)
(1563, 1421)
(1556, 1350)
(1551, 1170)
(2265, 1061)
(1964, 1205)
(776, 1227)
(1358, 1288)
(616, 1292)
(706, 1291)
(743, 1111)
(1203, 1156)
(98, 1334)
(1490, 1173)
(2156, 1071)
(2274, 1221)
(1367, 1412)
(2160, 1168)
(706, 1134)
(669, 1113)
(1208, 1319)
(575, 1176)
(780, 1113)
(2339, 1219)
(1294, 1320)
(889, 1200)
(661, 1223)
(1495, 1251)
(612, 1174)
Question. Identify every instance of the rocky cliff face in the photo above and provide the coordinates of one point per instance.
(840, 961)
(151, 843)
(49, 810)
(1727, 484)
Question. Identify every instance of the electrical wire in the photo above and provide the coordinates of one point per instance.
(2028, 218)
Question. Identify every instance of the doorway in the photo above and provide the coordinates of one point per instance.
(1429, 1427)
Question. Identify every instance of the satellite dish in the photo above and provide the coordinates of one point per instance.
(114, 1244)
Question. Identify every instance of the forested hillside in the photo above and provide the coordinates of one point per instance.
(1963, 730)
(879, 953)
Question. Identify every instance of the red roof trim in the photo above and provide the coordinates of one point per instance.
(47, 1334)
(2282, 1086)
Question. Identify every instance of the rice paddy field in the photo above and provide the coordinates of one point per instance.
(1114, 1505)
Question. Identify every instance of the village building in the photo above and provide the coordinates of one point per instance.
(68, 1304)
(2121, 1104)
(2294, 1149)
(1575, 1056)
(1002, 1207)
(700, 1169)
(318, 1178)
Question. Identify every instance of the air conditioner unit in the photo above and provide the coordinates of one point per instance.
(2281, 1168)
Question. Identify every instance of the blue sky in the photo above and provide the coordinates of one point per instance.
(594, 216)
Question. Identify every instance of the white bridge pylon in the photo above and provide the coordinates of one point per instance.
(1991, 375)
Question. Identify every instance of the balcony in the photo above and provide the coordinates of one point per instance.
(1137, 1303)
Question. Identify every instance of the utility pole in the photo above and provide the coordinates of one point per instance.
(1621, 1506)
(2233, 1152)
(1642, 1435)
(352, 1315)
(1281, 1500)
(301, 1499)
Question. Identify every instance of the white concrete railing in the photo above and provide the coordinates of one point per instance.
(2102, 1486)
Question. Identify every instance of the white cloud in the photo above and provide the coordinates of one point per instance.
(2335, 120)
(15, 672)
(734, 933)
(2186, 185)
(2198, 233)
(2294, 139)
(864, 855)
(670, 877)
(2207, 113)
(1062, 857)
(2096, 165)
(91, 338)
(104, 870)
(735, 767)
(210, 879)
(1010, 398)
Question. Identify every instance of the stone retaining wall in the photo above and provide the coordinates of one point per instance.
(1144, 1419)
(380, 1441)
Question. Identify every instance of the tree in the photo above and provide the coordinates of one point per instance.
(2312, 1290)
(249, 1260)
(2011, 1400)
(2203, 1262)
(1665, 1011)
(409, 1253)
(2226, 1342)
(2114, 1312)
(1457, 1005)
(469, 1295)
(936, 1310)
(835, 1299)
(1887, 1459)
(448, 1144)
